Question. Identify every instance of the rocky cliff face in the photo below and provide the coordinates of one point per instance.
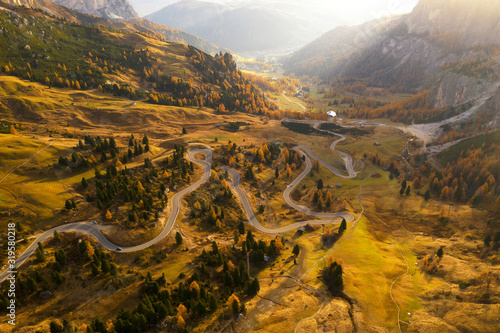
(113, 9)
(476, 22)
(443, 45)
(44, 5)
(450, 47)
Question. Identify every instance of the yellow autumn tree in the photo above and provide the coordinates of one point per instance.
(445, 193)
(194, 286)
(13, 130)
(230, 266)
(231, 300)
(264, 147)
(181, 310)
(92, 159)
(224, 184)
(139, 186)
(180, 321)
(90, 250)
(109, 216)
(328, 199)
(260, 155)
(279, 247)
(285, 154)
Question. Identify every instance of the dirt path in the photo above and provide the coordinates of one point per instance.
(396, 280)
(27, 161)
(347, 235)
(292, 102)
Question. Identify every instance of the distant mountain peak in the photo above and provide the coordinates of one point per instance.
(112, 9)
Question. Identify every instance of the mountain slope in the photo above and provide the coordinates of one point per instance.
(449, 48)
(113, 9)
(132, 25)
(27, 3)
(238, 27)
(187, 15)
(126, 63)
(409, 51)
(44, 5)
(172, 34)
(331, 52)
(476, 22)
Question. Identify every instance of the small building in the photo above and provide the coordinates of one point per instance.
(377, 144)
(338, 185)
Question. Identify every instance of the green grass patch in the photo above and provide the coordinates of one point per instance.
(370, 267)
(392, 143)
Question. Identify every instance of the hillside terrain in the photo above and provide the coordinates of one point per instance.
(113, 9)
(269, 26)
(238, 29)
(153, 186)
(133, 24)
(449, 49)
(434, 34)
(265, 26)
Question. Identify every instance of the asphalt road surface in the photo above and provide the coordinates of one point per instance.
(88, 228)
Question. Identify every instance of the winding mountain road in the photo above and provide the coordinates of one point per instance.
(88, 228)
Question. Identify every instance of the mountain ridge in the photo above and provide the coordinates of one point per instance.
(134, 24)
(237, 28)
(382, 50)
(112, 9)
(448, 48)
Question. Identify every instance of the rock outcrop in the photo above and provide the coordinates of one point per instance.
(446, 46)
(112, 9)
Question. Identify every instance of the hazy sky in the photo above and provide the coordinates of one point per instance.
(353, 11)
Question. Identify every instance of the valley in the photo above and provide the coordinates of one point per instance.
(155, 187)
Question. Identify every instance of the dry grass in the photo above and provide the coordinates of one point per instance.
(392, 143)
(370, 264)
